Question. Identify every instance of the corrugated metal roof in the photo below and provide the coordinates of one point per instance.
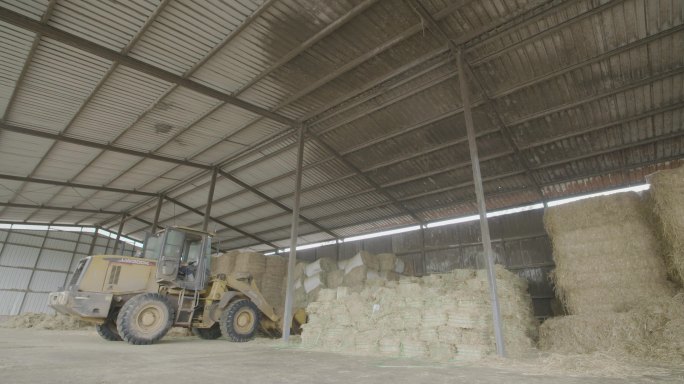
(591, 92)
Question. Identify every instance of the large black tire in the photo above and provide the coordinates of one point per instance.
(211, 333)
(107, 330)
(240, 321)
(145, 318)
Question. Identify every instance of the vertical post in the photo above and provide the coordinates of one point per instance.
(481, 207)
(73, 256)
(287, 317)
(157, 212)
(118, 234)
(422, 252)
(92, 243)
(210, 199)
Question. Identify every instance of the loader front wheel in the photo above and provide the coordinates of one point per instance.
(240, 321)
(211, 333)
(145, 318)
(107, 330)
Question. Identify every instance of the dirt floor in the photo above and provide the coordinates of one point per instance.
(36, 356)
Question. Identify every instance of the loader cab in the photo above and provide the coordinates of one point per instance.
(182, 257)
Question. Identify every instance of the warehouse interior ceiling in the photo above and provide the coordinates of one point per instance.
(107, 105)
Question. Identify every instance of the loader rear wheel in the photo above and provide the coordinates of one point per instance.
(240, 321)
(211, 333)
(145, 318)
(107, 330)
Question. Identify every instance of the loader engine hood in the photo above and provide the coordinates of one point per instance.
(99, 280)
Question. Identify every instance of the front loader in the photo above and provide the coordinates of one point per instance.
(140, 299)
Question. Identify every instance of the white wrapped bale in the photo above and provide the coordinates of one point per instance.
(313, 282)
(323, 264)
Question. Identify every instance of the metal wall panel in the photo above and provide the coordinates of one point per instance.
(14, 278)
(35, 238)
(55, 260)
(44, 281)
(19, 255)
(3, 235)
(10, 301)
(36, 303)
(63, 245)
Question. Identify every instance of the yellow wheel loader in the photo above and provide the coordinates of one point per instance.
(139, 299)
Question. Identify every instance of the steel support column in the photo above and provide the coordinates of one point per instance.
(73, 256)
(157, 212)
(481, 206)
(287, 320)
(210, 199)
(118, 234)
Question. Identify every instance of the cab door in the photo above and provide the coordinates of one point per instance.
(170, 257)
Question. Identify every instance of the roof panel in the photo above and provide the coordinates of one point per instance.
(58, 81)
(110, 24)
(15, 46)
(185, 32)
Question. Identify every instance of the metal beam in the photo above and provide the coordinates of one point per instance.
(342, 70)
(294, 235)
(157, 211)
(370, 181)
(118, 234)
(92, 144)
(29, 179)
(187, 74)
(481, 206)
(505, 132)
(273, 201)
(73, 209)
(210, 199)
(555, 182)
(27, 23)
(223, 223)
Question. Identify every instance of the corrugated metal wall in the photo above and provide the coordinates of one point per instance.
(36, 262)
(519, 242)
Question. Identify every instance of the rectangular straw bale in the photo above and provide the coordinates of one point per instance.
(223, 263)
(651, 330)
(606, 254)
(667, 197)
(250, 262)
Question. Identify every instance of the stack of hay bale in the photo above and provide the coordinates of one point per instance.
(440, 317)
(611, 279)
(270, 285)
(355, 273)
(270, 273)
(667, 196)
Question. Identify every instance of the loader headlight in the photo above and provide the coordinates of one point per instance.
(63, 298)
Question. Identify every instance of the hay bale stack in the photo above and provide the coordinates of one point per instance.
(606, 254)
(223, 263)
(271, 284)
(667, 196)
(440, 317)
(252, 263)
(651, 331)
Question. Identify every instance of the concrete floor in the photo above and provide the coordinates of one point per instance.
(31, 356)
